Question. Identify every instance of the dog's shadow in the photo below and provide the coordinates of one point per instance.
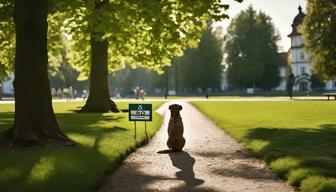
(184, 162)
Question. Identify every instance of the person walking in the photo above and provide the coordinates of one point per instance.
(290, 84)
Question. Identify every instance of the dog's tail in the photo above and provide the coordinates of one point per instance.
(165, 151)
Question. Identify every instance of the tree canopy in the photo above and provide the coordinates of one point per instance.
(319, 34)
(140, 33)
(251, 51)
(7, 39)
(201, 67)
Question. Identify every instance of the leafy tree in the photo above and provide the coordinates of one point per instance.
(138, 33)
(319, 29)
(316, 82)
(7, 40)
(34, 120)
(251, 51)
(137, 29)
(201, 67)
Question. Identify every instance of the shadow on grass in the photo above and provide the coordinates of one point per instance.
(53, 169)
(6, 119)
(307, 148)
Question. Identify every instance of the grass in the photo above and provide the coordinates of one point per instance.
(103, 141)
(297, 139)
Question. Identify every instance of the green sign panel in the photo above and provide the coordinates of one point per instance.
(140, 112)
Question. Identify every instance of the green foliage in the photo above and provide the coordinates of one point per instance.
(103, 140)
(7, 38)
(56, 41)
(201, 67)
(319, 30)
(296, 139)
(140, 33)
(316, 82)
(251, 51)
(127, 79)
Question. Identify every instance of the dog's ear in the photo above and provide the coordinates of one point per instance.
(180, 107)
(170, 106)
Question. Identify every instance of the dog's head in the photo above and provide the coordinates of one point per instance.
(175, 110)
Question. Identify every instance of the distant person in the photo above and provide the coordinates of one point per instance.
(70, 95)
(53, 92)
(142, 94)
(290, 84)
(137, 92)
(59, 93)
(207, 94)
(75, 94)
(84, 94)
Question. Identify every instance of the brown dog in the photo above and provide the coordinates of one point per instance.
(175, 129)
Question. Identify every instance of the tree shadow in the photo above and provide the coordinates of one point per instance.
(237, 154)
(38, 168)
(312, 148)
(131, 179)
(185, 162)
(6, 119)
(246, 171)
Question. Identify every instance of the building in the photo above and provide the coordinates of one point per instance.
(7, 86)
(300, 60)
(283, 72)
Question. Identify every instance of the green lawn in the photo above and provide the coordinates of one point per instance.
(297, 139)
(103, 140)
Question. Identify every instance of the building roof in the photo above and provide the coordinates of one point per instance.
(284, 59)
(298, 20)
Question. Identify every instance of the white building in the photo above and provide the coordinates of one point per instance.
(7, 86)
(300, 60)
(283, 72)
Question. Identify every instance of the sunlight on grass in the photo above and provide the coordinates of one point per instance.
(42, 170)
(103, 141)
(283, 165)
(296, 138)
(258, 145)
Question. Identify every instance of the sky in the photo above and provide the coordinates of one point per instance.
(282, 13)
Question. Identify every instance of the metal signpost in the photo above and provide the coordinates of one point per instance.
(140, 112)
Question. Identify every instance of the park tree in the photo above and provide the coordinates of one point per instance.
(319, 29)
(34, 120)
(251, 51)
(201, 67)
(7, 41)
(137, 33)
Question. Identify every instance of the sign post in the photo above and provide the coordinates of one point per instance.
(140, 112)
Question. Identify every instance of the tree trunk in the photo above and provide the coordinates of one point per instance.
(99, 100)
(34, 121)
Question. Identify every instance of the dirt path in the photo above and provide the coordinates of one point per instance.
(212, 161)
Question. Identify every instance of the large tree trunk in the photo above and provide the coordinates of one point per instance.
(35, 121)
(99, 100)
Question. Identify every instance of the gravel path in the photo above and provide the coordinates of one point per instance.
(211, 161)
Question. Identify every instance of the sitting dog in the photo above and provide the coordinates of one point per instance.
(175, 129)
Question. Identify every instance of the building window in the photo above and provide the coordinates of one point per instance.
(302, 55)
(302, 70)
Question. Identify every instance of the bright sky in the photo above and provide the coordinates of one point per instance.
(282, 13)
